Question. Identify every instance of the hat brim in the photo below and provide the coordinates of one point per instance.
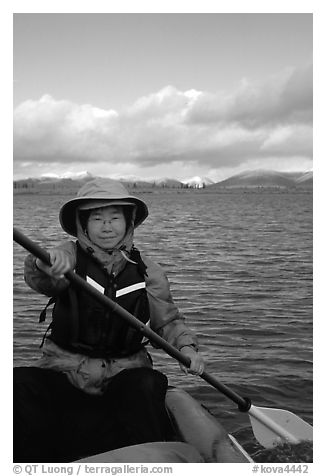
(67, 215)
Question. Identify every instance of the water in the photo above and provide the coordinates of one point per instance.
(240, 268)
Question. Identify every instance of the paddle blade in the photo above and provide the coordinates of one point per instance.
(272, 426)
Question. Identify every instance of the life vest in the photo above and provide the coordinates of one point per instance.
(81, 324)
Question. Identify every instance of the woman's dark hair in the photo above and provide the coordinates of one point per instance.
(128, 213)
(84, 216)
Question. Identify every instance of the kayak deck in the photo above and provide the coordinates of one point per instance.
(194, 425)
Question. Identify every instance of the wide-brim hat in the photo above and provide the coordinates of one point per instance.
(98, 193)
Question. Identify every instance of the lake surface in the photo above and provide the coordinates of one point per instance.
(240, 268)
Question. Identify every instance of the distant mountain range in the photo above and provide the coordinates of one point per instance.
(247, 179)
(267, 179)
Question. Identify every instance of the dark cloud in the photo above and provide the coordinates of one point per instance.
(282, 99)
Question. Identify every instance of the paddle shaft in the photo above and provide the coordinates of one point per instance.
(77, 281)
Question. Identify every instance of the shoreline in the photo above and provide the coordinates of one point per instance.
(220, 190)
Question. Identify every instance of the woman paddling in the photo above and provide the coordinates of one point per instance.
(94, 388)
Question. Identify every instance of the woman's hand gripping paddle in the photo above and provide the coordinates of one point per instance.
(270, 426)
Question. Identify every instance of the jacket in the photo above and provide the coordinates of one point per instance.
(87, 373)
(165, 318)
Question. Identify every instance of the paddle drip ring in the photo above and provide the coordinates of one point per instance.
(245, 406)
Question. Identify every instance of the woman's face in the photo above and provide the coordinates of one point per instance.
(106, 226)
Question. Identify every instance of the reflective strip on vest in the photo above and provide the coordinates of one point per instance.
(130, 289)
(95, 284)
(120, 292)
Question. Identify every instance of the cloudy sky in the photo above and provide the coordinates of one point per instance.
(156, 95)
